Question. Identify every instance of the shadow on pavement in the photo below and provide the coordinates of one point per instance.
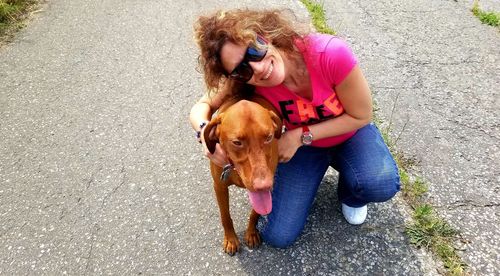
(329, 244)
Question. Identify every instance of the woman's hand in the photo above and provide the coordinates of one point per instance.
(288, 144)
(219, 157)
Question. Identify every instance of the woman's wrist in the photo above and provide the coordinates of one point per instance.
(201, 126)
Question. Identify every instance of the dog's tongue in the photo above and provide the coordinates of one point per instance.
(261, 202)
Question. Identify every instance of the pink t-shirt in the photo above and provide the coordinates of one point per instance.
(329, 60)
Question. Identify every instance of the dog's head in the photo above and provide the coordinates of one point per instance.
(248, 134)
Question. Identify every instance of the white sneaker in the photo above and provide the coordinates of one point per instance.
(354, 216)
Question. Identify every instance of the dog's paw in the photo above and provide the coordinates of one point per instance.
(252, 239)
(231, 245)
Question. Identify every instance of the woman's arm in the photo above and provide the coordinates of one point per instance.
(202, 111)
(355, 96)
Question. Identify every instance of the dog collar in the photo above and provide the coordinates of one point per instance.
(226, 171)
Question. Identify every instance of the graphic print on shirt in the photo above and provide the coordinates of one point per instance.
(300, 112)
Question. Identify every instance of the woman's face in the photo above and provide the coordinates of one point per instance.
(268, 72)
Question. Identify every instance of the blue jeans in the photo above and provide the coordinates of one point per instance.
(367, 173)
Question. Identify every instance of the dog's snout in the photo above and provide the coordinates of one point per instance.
(263, 184)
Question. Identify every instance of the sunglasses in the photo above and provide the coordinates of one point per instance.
(244, 72)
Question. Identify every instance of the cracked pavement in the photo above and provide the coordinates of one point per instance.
(100, 172)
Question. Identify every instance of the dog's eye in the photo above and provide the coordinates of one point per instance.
(269, 138)
(237, 143)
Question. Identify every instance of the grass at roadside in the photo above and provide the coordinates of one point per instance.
(427, 229)
(318, 16)
(487, 17)
(12, 15)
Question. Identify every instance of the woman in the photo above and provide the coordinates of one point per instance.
(314, 81)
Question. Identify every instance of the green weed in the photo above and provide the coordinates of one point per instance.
(413, 191)
(433, 233)
(490, 18)
(427, 230)
(318, 16)
(12, 13)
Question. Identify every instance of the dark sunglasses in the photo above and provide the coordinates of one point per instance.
(244, 72)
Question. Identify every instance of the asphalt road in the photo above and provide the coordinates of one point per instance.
(100, 172)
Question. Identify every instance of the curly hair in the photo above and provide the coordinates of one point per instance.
(241, 26)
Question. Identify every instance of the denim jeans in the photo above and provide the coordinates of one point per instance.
(367, 173)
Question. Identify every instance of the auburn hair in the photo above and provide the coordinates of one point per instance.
(241, 26)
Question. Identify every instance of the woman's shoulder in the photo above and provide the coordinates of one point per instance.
(320, 43)
(332, 55)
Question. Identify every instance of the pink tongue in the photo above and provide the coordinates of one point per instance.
(261, 202)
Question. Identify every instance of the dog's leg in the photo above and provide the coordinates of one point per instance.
(252, 236)
(231, 243)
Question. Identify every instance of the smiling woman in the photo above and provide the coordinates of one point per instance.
(314, 82)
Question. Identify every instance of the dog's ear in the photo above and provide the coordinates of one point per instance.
(210, 134)
(278, 123)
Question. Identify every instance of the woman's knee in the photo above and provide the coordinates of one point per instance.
(282, 233)
(280, 240)
(381, 187)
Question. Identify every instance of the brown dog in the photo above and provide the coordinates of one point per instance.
(247, 131)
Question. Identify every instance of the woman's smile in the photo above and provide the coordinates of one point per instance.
(269, 71)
